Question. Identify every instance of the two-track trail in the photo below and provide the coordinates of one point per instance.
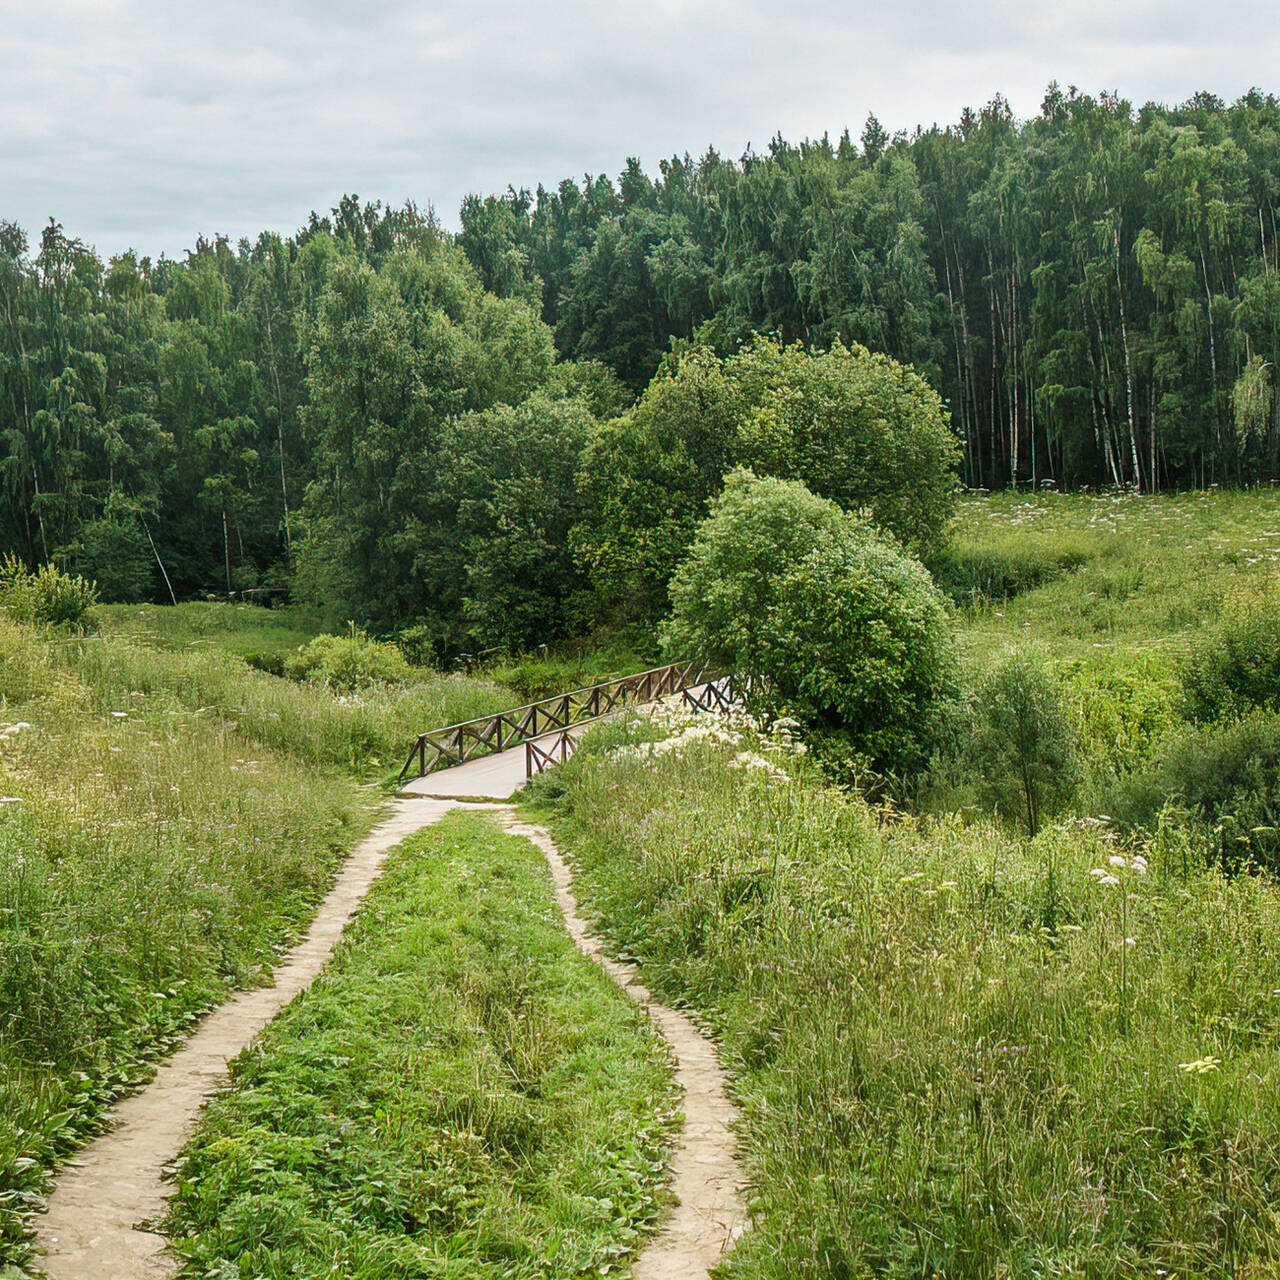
(94, 1227)
(709, 1214)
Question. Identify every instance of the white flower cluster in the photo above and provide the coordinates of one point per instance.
(750, 761)
(1107, 878)
(10, 731)
(735, 728)
(693, 731)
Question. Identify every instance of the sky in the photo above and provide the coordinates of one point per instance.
(145, 123)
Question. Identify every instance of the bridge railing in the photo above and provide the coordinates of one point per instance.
(458, 743)
(720, 693)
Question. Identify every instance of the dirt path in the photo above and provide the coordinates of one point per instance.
(89, 1230)
(705, 1177)
(94, 1225)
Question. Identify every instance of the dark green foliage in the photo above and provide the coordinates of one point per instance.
(1225, 775)
(1236, 666)
(860, 429)
(859, 645)
(725, 588)
(999, 573)
(845, 629)
(1023, 749)
(113, 553)
(509, 497)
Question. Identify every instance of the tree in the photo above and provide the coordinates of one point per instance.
(860, 429)
(1023, 745)
(836, 625)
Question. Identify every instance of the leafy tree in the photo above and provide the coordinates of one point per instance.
(861, 429)
(1022, 748)
(839, 626)
(723, 591)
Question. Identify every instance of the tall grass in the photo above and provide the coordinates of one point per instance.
(1144, 571)
(370, 732)
(957, 1054)
(461, 1094)
(152, 857)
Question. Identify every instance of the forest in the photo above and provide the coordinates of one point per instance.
(428, 433)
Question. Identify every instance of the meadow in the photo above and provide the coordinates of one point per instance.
(197, 654)
(958, 1050)
(961, 1051)
(169, 817)
(957, 1053)
(152, 857)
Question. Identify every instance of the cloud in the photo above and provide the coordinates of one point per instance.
(141, 123)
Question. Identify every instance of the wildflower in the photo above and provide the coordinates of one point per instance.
(1201, 1066)
(1117, 861)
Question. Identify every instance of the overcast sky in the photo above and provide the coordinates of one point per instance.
(144, 123)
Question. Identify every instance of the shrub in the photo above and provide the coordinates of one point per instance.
(846, 630)
(46, 596)
(728, 582)
(1227, 776)
(1023, 748)
(347, 664)
(1236, 666)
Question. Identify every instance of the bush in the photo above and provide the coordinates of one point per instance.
(113, 555)
(728, 582)
(348, 664)
(846, 630)
(1236, 667)
(1023, 749)
(1227, 776)
(1000, 573)
(859, 428)
(47, 596)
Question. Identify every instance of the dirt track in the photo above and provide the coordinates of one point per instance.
(94, 1225)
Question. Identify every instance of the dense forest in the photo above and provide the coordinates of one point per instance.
(1095, 291)
(498, 435)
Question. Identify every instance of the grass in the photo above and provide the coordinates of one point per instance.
(1144, 573)
(948, 1061)
(245, 630)
(147, 649)
(460, 1095)
(152, 857)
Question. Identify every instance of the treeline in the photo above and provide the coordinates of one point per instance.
(1095, 291)
(499, 437)
(349, 415)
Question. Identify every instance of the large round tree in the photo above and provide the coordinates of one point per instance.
(837, 624)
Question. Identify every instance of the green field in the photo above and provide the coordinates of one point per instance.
(958, 1050)
(1085, 575)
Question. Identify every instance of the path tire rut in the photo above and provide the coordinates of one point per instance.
(94, 1226)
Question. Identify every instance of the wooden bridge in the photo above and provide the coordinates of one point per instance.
(550, 728)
